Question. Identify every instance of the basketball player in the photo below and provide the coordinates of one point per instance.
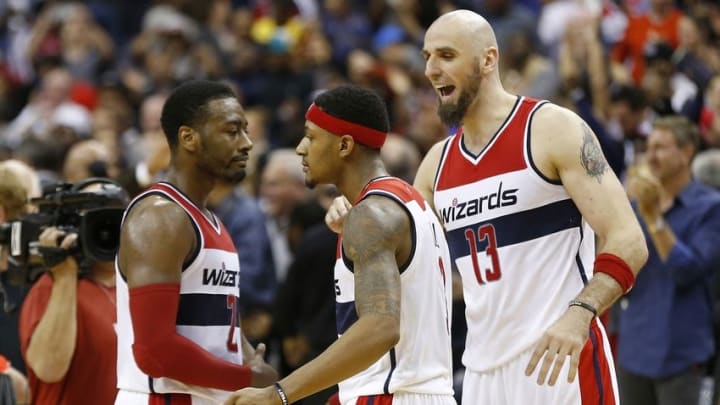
(179, 339)
(392, 291)
(522, 190)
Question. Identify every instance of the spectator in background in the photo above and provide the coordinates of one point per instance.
(400, 156)
(706, 168)
(245, 222)
(346, 27)
(508, 17)
(666, 330)
(628, 120)
(85, 159)
(282, 187)
(585, 79)
(68, 31)
(669, 91)
(524, 70)
(138, 146)
(303, 321)
(49, 105)
(710, 115)
(660, 24)
(18, 183)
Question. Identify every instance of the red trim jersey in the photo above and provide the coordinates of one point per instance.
(421, 362)
(520, 243)
(207, 314)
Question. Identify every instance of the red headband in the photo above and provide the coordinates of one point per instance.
(369, 137)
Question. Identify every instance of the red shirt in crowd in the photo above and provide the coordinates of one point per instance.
(91, 377)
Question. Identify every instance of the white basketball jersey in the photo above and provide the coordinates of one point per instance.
(520, 243)
(421, 362)
(207, 314)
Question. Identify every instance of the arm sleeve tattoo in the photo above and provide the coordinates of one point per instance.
(591, 156)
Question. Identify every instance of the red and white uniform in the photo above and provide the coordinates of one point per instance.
(524, 252)
(207, 314)
(419, 368)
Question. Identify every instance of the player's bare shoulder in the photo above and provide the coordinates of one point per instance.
(154, 212)
(551, 124)
(559, 138)
(155, 224)
(376, 224)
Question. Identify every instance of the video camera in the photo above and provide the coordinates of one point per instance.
(95, 215)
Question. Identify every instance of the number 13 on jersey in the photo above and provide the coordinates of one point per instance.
(484, 233)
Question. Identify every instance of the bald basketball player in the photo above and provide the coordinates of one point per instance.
(523, 191)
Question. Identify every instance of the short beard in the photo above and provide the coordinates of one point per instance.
(310, 184)
(234, 178)
(452, 114)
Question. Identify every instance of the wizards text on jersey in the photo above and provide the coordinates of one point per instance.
(221, 276)
(475, 206)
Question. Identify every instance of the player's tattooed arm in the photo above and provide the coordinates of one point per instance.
(373, 232)
(591, 156)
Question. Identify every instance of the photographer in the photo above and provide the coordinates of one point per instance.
(66, 324)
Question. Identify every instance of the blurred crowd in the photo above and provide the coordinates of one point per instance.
(82, 85)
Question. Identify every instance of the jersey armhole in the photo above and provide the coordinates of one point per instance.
(441, 162)
(528, 152)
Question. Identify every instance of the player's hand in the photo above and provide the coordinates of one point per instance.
(565, 338)
(335, 215)
(262, 373)
(254, 396)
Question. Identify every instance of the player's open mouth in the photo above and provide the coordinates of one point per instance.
(446, 90)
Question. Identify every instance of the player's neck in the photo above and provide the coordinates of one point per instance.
(483, 119)
(190, 182)
(356, 178)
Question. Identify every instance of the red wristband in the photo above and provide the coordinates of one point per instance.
(616, 268)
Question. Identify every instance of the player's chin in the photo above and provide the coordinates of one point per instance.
(234, 175)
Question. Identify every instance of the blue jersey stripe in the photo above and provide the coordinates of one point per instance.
(393, 366)
(205, 310)
(345, 315)
(578, 259)
(519, 227)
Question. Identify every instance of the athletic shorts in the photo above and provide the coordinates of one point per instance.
(139, 398)
(594, 384)
(403, 398)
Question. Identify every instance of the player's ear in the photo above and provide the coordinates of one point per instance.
(490, 60)
(188, 138)
(346, 145)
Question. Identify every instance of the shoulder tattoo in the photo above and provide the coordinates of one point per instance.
(591, 156)
(372, 248)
